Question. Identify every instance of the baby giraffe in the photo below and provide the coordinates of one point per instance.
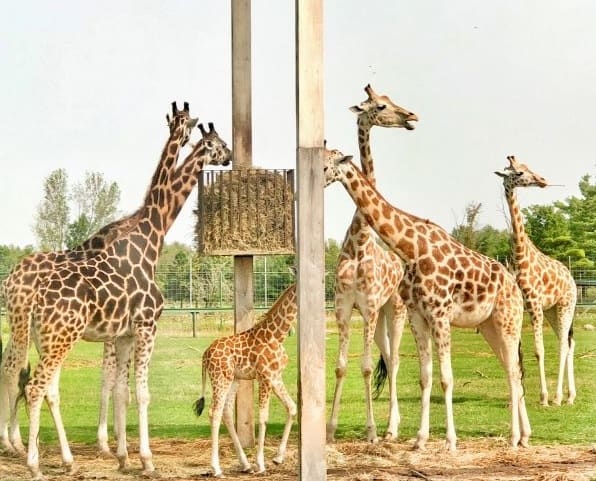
(256, 353)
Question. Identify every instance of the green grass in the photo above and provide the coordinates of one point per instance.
(480, 394)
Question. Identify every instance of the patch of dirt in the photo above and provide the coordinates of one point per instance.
(476, 460)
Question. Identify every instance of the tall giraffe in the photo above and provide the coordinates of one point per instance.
(547, 285)
(110, 296)
(367, 277)
(445, 284)
(256, 353)
(20, 289)
(185, 179)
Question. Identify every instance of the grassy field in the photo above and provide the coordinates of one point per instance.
(480, 395)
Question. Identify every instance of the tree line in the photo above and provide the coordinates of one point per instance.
(565, 230)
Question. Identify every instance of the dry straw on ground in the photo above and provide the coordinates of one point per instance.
(247, 211)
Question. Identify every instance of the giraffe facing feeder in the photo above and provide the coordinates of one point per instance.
(20, 289)
(547, 285)
(109, 297)
(445, 284)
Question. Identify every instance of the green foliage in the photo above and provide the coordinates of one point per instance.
(52, 214)
(10, 256)
(95, 200)
(480, 391)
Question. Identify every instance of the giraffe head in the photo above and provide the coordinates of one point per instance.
(335, 165)
(211, 147)
(181, 121)
(380, 110)
(331, 154)
(517, 174)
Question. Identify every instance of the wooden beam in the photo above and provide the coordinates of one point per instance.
(310, 245)
(242, 158)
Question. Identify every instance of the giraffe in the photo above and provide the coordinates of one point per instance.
(112, 296)
(445, 284)
(256, 353)
(185, 179)
(367, 277)
(547, 285)
(20, 288)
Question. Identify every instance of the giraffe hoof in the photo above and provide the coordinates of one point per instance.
(389, 437)
(150, 474)
(278, 459)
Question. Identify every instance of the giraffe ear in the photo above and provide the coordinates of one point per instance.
(356, 109)
(501, 174)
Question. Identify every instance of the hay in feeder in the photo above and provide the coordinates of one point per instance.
(248, 211)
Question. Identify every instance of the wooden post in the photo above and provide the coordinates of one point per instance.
(311, 243)
(242, 158)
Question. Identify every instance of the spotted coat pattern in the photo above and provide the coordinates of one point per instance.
(367, 277)
(256, 353)
(445, 284)
(547, 285)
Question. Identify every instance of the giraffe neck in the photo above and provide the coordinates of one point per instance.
(282, 315)
(366, 159)
(184, 181)
(519, 236)
(401, 231)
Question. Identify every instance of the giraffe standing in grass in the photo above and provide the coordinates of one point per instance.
(111, 296)
(19, 291)
(547, 285)
(445, 284)
(367, 276)
(184, 181)
(256, 353)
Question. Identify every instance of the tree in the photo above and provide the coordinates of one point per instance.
(581, 212)
(332, 252)
(10, 255)
(466, 231)
(96, 201)
(52, 214)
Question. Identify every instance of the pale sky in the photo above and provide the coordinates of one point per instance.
(85, 87)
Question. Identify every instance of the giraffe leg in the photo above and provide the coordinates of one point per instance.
(370, 315)
(443, 346)
(421, 333)
(561, 319)
(264, 397)
(108, 381)
(48, 365)
(220, 387)
(507, 349)
(13, 360)
(537, 316)
(280, 390)
(389, 340)
(53, 400)
(144, 342)
(122, 349)
(228, 417)
(343, 312)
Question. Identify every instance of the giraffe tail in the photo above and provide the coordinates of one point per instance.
(199, 404)
(379, 377)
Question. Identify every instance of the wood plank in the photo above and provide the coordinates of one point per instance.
(310, 243)
(242, 158)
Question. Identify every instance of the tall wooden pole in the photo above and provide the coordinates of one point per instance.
(242, 158)
(311, 249)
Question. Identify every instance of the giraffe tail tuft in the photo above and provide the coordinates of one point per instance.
(379, 377)
(199, 405)
(24, 377)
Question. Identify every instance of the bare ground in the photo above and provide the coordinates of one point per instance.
(475, 460)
